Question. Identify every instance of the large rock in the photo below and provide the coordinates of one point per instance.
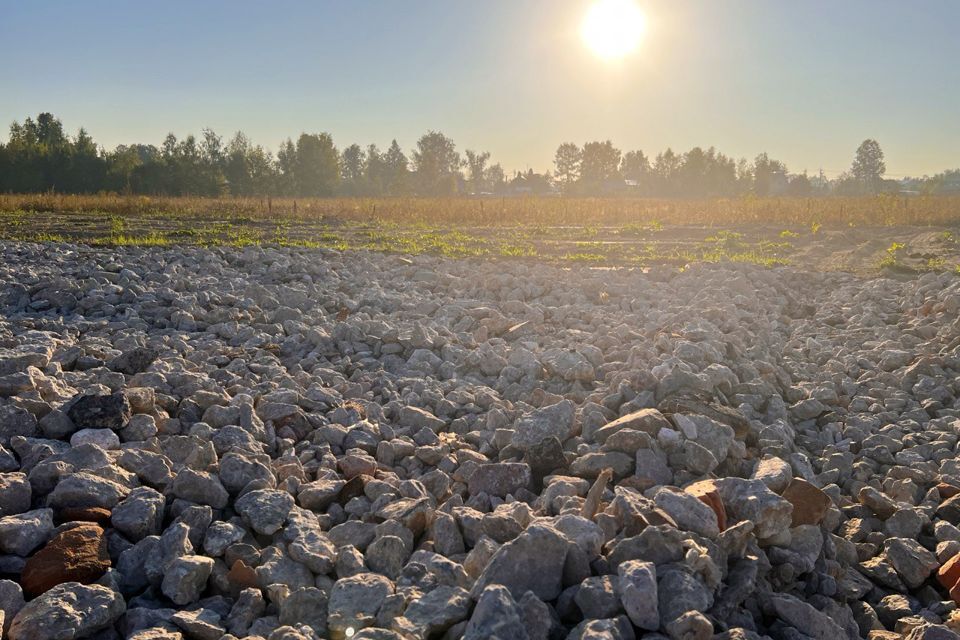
(689, 512)
(638, 593)
(752, 500)
(568, 365)
(140, 514)
(16, 422)
(555, 420)
(355, 601)
(500, 478)
(81, 490)
(200, 487)
(100, 412)
(810, 504)
(435, 612)
(496, 616)
(134, 361)
(69, 611)
(774, 472)
(15, 493)
(306, 606)
(680, 591)
(911, 560)
(185, 578)
(533, 561)
(805, 618)
(78, 554)
(22, 533)
(265, 510)
(649, 421)
(419, 418)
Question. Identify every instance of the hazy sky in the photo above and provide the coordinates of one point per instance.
(804, 81)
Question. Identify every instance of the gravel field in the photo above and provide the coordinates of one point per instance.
(288, 444)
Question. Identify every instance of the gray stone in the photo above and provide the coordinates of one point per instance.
(100, 411)
(680, 591)
(598, 597)
(496, 616)
(688, 511)
(805, 618)
(185, 578)
(305, 606)
(11, 601)
(387, 555)
(911, 560)
(774, 472)
(533, 561)
(555, 420)
(15, 493)
(433, 613)
(140, 514)
(24, 532)
(638, 593)
(82, 489)
(751, 500)
(248, 606)
(265, 510)
(354, 601)
(68, 611)
(199, 624)
(500, 479)
(649, 421)
(220, 535)
(200, 487)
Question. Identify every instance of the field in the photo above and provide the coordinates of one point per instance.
(906, 234)
(410, 419)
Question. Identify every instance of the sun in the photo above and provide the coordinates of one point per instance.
(613, 28)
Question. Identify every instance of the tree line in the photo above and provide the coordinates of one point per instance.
(40, 157)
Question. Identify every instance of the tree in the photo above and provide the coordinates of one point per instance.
(600, 167)
(635, 167)
(769, 176)
(476, 167)
(437, 164)
(800, 185)
(666, 169)
(351, 163)
(317, 168)
(396, 170)
(567, 163)
(868, 166)
(495, 178)
(286, 163)
(374, 172)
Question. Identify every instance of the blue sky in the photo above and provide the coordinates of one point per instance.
(804, 81)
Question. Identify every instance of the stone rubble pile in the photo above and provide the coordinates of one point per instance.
(288, 444)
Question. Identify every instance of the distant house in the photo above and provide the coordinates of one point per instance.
(530, 183)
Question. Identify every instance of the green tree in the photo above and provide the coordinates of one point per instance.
(635, 167)
(316, 169)
(769, 176)
(868, 166)
(374, 172)
(495, 178)
(600, 167)
(476, 168)
(567, 164)
(437, 165)
(396, 170)
(351, 163)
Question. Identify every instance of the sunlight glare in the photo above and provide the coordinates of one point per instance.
(613, 28)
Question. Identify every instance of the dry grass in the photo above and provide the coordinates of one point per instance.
(879, 210)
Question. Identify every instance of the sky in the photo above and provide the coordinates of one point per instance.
(804, 81)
